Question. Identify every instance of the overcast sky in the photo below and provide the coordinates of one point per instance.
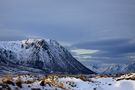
(99, 31)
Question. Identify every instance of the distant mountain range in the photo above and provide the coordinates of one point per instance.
(113, 68)
(38, 56)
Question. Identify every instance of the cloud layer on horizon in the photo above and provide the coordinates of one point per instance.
(109, 51)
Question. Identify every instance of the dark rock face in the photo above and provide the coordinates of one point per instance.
(47, 56)
(7, 56)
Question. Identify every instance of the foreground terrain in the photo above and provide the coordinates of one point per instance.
(67, 82)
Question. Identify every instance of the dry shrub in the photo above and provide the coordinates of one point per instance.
(35, 89)
(118, 79)
(19, 83)
(60, 85)
(126, 78)
(51, 80)
(42, 83)
(7, 80)
(1, 80)
(130, 78)
(83, 78)
(29, 81)
(46, 82)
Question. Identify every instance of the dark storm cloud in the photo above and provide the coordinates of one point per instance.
(110, 51)
(68, 20)
(113, 45)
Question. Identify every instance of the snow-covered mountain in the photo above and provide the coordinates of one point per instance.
(38, 55)
(113, 68)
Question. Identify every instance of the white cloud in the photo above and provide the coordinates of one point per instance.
(132, 57)
(83, 57)
(84, 51)
(80, 54)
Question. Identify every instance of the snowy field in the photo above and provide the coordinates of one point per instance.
(54, 82)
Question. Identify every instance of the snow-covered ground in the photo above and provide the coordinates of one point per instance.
(100, 84)
(29, 82)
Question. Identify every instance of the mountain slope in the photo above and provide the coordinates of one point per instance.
(113, 68)
(44, 56)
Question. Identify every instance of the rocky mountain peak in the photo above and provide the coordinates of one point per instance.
(46, 55)
(37, 43)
